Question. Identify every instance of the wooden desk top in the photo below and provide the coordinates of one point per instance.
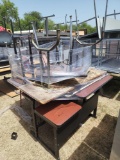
(44, 95)
(94, 87)
(41, 94)
(15, 84)
(58, 112)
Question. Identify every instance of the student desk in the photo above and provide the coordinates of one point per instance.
(63, 113)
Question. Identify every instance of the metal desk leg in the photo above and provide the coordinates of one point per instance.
(34, 132)
(56, 144)
(20, 98)
(34, 120)
(95, 113)
(102, 93)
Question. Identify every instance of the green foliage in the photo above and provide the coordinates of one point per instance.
(62, 27)
(19, 25)
(50, 24)
(89, 28)
(8, 11)
(33, 16)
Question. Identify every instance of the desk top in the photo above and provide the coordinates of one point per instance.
(15, 84)
(94, 87)
(58, 112)
(44, 95)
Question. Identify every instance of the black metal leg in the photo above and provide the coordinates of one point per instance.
(20, 98)
(34, 120)
(36, 125)
(102, 93)
(95, 113)
(56, 144)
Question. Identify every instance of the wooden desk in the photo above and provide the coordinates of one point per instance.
(44, 95)
(94, 87)
(82, 108)
(41, 94)
(89, 98)
(65, 116)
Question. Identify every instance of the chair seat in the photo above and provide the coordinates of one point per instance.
(58, 112)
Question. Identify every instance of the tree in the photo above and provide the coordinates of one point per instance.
(8, 12)
(89, 28)
(50, 24)
(33, 16)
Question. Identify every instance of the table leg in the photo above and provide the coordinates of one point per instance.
(56, 144)
(20, 98)
(95, 113)
(34, 118)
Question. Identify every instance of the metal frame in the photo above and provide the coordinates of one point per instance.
(47, 50)
(88, 99)
(61, 133)
(95, 17)
(107, 60)
(46, 23)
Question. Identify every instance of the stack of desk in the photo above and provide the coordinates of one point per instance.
(53, 107)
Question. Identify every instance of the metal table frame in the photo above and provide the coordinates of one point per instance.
(88, 100)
